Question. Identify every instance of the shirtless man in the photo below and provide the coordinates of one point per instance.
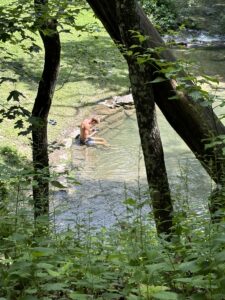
(87, 132)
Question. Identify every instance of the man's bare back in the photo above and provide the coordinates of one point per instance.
(86, 133)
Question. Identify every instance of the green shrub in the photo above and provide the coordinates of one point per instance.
(126, 261)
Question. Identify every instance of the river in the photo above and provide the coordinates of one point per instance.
(108, 176)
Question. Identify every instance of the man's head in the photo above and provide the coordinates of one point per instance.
(95, 120)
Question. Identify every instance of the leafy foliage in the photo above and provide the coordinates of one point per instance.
(161, 13)
(16, 112)
(126, 261)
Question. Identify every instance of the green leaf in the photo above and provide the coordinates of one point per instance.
(130, 202)
(142, 60)
(29, 297)
(30, 291)
(112, 296)
(160, 267)
(190, 266)
(195, 95)
(42, 275)
(158, 79)
(17, 237)
(77, 296)
(212, 144)
(54, 286)
(53, 273)
(166, 296)
(57, 184)
(194, 281)
(134, 46)
(41, 251)
(176, 97)
(153, 254)
(220, 239)
(129, 53)
(220, 256)
(147, 290)
(198, 296)
(210, 78)
(223, 150)
(45, 266)
(133, 297)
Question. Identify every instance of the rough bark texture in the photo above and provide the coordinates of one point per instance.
(146, 117)
(51, 41)
(190, 120)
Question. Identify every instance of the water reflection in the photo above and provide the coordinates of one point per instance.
(207, 61)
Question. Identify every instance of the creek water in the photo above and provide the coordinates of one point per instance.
(108, 176)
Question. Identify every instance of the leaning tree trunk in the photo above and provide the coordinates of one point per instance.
(146, 117)
(194, 123)
(50, 37)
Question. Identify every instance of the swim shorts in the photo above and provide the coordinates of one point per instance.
(88, 142)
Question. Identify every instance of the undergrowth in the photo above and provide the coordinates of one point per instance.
(125, 261)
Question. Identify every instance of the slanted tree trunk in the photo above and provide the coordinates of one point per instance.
(193, 122)
(146, 116)
(50, 37)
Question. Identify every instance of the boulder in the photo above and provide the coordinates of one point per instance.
(116, 101)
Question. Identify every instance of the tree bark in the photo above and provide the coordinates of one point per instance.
(194, 123)
(51, 41)
(146, 116)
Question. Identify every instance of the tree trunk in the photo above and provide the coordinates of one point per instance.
(51, 41)
(194, 123)
(146, 117)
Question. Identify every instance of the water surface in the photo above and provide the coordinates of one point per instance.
(110, 175)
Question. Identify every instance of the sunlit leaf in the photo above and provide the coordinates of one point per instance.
(130, 202)
(158, 79)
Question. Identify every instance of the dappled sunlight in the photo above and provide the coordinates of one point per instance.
(91, 59)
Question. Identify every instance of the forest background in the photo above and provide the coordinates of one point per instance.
(33, 267)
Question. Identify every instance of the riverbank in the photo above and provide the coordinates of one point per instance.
(111, 112)
(87, 74)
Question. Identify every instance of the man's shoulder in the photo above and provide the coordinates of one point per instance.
(86, 122)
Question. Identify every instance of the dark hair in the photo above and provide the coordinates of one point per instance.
(95, 119)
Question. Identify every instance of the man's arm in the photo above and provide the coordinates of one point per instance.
(93, 133)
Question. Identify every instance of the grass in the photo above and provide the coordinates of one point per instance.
(91, 69)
